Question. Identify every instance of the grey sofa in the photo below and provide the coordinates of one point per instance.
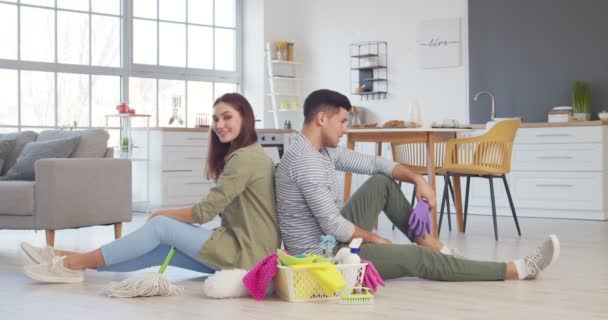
(89, 188)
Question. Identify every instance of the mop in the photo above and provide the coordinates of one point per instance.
(148, 284)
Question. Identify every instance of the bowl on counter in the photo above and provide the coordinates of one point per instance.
(603, 115)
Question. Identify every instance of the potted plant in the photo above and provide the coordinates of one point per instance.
(124, 147)
(581, 100)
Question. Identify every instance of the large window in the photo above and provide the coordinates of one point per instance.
(70, 62)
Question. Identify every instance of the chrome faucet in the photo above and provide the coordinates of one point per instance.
(493, 114)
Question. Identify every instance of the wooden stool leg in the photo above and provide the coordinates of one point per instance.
(50, 237)
(117, 230)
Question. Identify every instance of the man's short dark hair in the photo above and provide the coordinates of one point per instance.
(324, 100)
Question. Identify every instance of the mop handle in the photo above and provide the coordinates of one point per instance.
(167, 260)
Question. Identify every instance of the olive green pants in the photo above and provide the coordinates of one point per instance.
(379, 193)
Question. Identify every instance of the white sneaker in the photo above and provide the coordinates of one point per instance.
(452, 252)
(542, 257)
(457, 253)
(53, 271)
(38, 255)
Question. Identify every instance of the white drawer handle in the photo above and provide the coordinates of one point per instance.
(553, 157)
(194, 158)
(554, 185)
(554, 135)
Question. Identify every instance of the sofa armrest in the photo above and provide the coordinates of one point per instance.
(73, 193)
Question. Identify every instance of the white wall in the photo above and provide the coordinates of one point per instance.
(322, 31)
(253, 56)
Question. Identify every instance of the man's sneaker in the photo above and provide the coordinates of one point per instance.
(38, 255)
(457, 254)
(53, 271)
(542, 257)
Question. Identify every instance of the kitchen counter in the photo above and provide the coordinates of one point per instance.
(554, 124)
(558, 170)
(207, 129)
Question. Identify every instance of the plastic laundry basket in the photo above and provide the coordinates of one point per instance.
(297, 285)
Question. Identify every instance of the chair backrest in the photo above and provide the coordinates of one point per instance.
(488, 153)
(413, 155)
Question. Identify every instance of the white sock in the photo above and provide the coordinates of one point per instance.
(520, 266)
(445, 250)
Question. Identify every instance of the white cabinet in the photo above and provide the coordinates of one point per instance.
(177, 166)
(556, 172)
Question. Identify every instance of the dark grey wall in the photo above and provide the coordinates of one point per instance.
(529, 52)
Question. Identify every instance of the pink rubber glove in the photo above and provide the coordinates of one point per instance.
(420, 220)
(371, 278)
(258, 278)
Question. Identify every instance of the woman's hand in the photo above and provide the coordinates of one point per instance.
(156, 214)
(182, 214)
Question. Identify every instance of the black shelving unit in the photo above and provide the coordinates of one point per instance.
(369, 69)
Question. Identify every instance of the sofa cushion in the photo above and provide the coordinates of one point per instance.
(5, 149)
(21, 138)
(34, 151)
(17, 198)
(93, 142)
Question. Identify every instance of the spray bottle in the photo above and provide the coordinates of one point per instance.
(353, 257)
(351, 274)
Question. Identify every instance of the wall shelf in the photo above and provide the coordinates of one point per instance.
(286, 62)
(285, 78)
(366, 55)
(371, 94)
(284, 88)
(369, 69)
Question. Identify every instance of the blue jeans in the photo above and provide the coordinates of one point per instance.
(149, 245)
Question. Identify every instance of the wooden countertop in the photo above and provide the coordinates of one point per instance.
(276, 130)
(553, 124)
(207, 129)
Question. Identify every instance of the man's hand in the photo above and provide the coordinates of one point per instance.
(379, 239)
(424, 190)
(367, 236)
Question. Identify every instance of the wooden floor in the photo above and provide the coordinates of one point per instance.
(575, 288)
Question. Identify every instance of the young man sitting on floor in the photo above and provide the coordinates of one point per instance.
(309, 205)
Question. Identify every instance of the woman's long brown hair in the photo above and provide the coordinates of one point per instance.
(218, 151)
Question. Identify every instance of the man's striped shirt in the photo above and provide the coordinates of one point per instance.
(308, 194)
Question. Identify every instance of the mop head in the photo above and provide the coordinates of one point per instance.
(226, 284)
(146, 285)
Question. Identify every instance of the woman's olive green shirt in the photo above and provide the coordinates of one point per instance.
(244, 199)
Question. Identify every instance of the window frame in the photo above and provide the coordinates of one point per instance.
(127, 67)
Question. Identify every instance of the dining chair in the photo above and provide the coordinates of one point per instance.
(486, 156)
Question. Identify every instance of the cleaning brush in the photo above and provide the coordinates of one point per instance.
(357, 295)
(146, 285)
